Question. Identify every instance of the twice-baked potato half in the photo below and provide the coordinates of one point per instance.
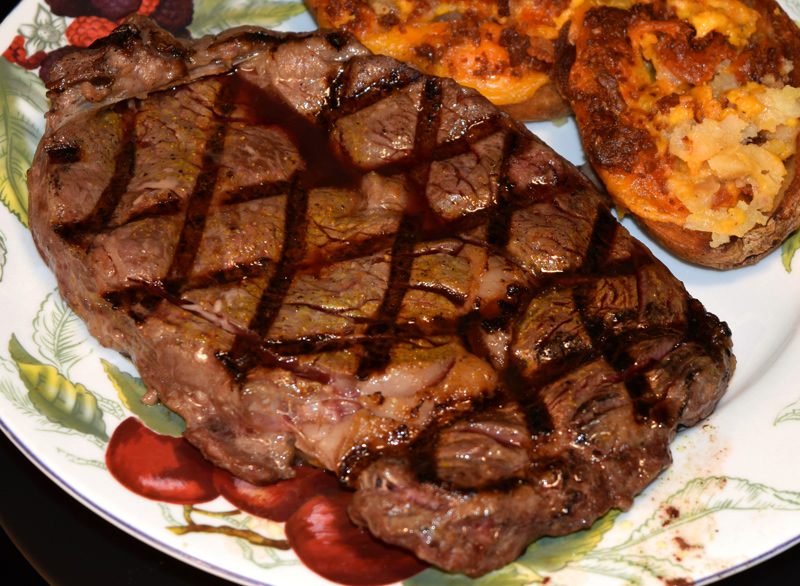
(505, 50)
(688, 111)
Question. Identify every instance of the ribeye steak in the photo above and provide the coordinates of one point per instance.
(312, 252)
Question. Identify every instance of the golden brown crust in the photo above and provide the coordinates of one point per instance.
(505, 50)
(611, 72)
(545, 104)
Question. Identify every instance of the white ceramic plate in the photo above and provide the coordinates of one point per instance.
(731, 499)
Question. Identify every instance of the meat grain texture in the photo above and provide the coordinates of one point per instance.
(314, 253)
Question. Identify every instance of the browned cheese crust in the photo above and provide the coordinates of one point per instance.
(688, 113)
(505, 50)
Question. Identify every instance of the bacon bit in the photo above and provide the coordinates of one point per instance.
(85, 30)
(16, 53)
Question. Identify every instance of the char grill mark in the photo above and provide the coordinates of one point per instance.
(340, 105)
(194, 221)
(443, 151)
(325, 169)
(377, 355)
(110, 197)
(498, 230)
(63, 152)
(262, 191)
(484, 252)
(428, 121)
(142, 297)
(603, 232)
(611, 349)
(382, 331)
(243, 357)
(292, 252)
(382, 337)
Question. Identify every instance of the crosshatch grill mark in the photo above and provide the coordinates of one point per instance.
(252, 346)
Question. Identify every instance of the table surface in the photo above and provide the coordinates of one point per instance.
(68, 544)
(49, 537)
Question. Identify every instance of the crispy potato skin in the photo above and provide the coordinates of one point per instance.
(752, 247)
(505, 50)
(595, 72)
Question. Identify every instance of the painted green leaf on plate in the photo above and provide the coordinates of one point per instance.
(22, 108)
(635, 558)
(789, 248)
(789, 413)
(3, 254)
(630, 569)
(131, 390)
(58, 333)
(511, 575)
(551, 554)
(705, 496)
(211, 16)
(69, 404)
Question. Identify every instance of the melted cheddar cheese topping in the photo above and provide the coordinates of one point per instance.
(726, 143)
(467, 40)
(464, 62)
(728, 17)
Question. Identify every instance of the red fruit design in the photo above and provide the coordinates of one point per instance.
(275, 501)
(71, 7)
(324, 538)
(85, 30)
(174, 15)
(116, 9)
(147, 7)
(159, 467)
(16, 53)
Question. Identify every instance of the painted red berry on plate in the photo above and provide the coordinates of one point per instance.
(325, 540)
(174, 15)
(275, 501)
(16, 53)
(159, 467)
(85, 30)
(116, 9)
(147, 7)
(71, 7)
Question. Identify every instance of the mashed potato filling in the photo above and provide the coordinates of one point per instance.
(730, 164)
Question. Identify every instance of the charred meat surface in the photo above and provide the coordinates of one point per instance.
(314, 253)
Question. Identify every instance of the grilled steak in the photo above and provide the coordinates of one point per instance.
(314, 253)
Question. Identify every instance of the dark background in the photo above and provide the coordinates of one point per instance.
(50, 538)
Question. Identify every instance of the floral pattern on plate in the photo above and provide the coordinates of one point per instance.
(75, 408)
